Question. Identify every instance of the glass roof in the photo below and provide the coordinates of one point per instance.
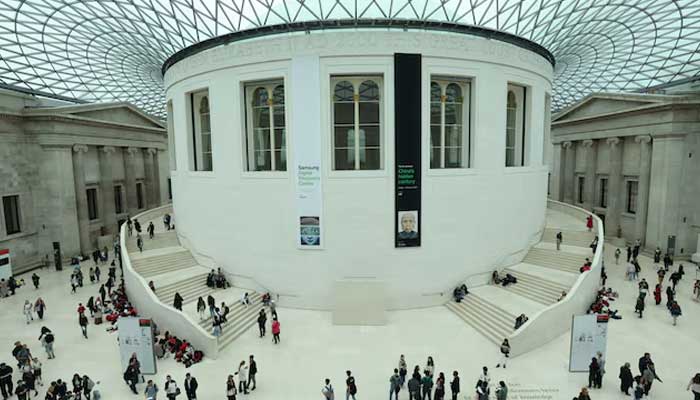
(113, 50)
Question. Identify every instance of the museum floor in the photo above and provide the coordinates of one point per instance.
(313, 349)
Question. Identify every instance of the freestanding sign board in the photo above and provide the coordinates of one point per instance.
(589, 335)
(136, 337)
(5, 264)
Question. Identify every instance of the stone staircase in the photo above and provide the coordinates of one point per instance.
(150, 266)
(160, 240)
(486, 318)
(535, 288)
(190, 289)
(240, 319)
(559, 260)
(570, 238)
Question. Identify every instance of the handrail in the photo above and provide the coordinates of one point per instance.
(145, 299)
(549, 322)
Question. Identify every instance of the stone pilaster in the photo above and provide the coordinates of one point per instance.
(109, 218)
(130, 154)
(643, 187)
(589, 198)
(569, 167)
(157, 155)
(148, 170)
(557, 170)
(79, 151)
(615, 190)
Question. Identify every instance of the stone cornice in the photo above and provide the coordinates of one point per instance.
(88, 122)
(627, 112)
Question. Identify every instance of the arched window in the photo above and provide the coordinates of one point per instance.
(516, 141)
(200, 156)
(205, 134)
(449, 123)
(266, 127)
(357, 133)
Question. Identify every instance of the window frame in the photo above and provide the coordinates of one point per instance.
(140, 200)
(628, 196)
(249, 88)
(603, 191)
(196, 155)
(357, 79)
(466, 86)
(119, 205)
(521, 133)
(580, 189)
(17, 214)
(170, 130)
(93, 209)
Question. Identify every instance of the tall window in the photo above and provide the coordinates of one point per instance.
(201, 132)
(92, 203)
(449, 123)
(118, 203)
(139, 195)
(357, 130)
(632, 188)
(171, 137)
(515, 126)
(266, 127)
(10, 208)
(580, 189)
(603, 192)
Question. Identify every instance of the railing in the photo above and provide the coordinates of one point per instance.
(553, 321)
(148, 304)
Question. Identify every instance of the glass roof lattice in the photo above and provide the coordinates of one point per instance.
(113, 50)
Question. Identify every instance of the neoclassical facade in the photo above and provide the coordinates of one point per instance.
(69, 174)
(634, 160)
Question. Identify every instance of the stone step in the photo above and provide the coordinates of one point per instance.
(544, 283)
(194, 280)
(235, 309)
(531, 292)
(483, 318)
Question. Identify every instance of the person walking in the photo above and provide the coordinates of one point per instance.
(694, 386)
(414, 388)
(648, 377)
(430, 366)
(22, 391)
(36, 370)
(191, 386)
(171, 389)
(505, 353)
(427, 385)
(440, 387)
(231, 388)
(589, 223)
(211, 302)
(139, 242)
(403, 369)
(601, 369)
(502, 391)
(670, 294)
(262, 318)
(242, 378)
(657, 294)
(593, 370)
(617, 256)
(454, 385)
(151, 230)
(395, 384)
(177, 301)
(97, 273)
(629, 253)
(252, 371)
(83, 322)
(35, 280)
(560, 238)
(639, 307)
(88, 386)
(275, 331)
(46, 338)
(675, 311)
(350, 386)
(626, 379)
(327, 390)
(40, 307)
(6, 380)
(151, 390)
(201, 307)
(27, 310)
(77, 382)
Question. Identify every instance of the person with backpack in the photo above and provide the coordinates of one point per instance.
(394, 384)
(171, 389)
(177, 301)
(22, 391)
(252, 371)
(327, 391)
(676, 312)
(262, 318)
(87, 385)
(46, 338)
(83, 322)
(151, 390)
(505, 353)
(427, 385)
(351, 386)
(502, 391)
(35, 280)
(231, 388)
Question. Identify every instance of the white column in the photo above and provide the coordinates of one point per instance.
(130, 178)
(109, 218)
(569, 167)
(590, 183)
(615, 191)
(556, 184)
(79, 151)
(150, 177)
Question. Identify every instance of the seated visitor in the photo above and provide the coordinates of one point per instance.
(266, 299)
(508, 279)
(211, 280)
(458, 294)
(563, 294)
(520, 321)
(495, 279)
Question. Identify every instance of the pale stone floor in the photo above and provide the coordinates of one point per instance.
(313, 349)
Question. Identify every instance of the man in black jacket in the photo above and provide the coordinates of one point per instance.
(6, 380)
(191, 387)
(252, 371)
(454, 385)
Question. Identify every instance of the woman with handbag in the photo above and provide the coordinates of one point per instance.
(505, 353)
(171, 389)
(231, 388)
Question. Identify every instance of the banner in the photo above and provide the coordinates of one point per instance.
(407, 137)
(136, 337)
(307, 151)
(589, 335)
(5, 264)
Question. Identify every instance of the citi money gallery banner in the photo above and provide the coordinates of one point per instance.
(307, 152)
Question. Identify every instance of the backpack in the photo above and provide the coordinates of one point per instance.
(48, 338)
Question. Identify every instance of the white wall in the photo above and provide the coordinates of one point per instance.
(472, 218)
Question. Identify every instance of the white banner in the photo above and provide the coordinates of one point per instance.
(306, 135)
(5, 264)
(589, 335)
(136, 336)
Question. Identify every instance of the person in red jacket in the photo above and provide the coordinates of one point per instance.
(275, 331)
(81, 309)
(589, 223)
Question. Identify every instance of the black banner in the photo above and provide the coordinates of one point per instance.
(407, 117)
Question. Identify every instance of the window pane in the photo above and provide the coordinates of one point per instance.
(262, 139)
(344, 113)
(510, 157)
(369, 135)
(278, 95)
(261, 117)
(206, 160)
(279, 116)
(435, 157)
(280, 139)
(10, 205)
(206, 143)
(280, 160)
(435, 136)
(343, 91)
(139, 195)
(435, 92)
(453, 135)
(435, 113)
(369, 90)
(369, 113)
(453, 93)
(453, 157)
(343, 137)
(369, 158)
(118, 199)
(204, 121)
(260, 97)
(204, 105)
(344, 158)
(263, 162)
(92, 203)
(510, 137)
(453, 113)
